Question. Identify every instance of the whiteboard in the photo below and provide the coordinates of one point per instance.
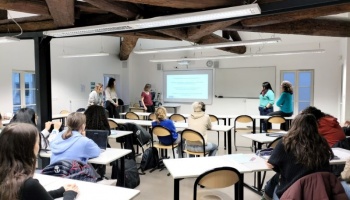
(245, 82)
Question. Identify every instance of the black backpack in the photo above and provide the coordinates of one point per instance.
(150, 159)
(131, 174)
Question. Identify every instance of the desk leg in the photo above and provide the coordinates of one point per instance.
(175, 110)
(254, 126)
(229, 143)
(239, 194)
(43, 162)
(176, 189)
(225, 133)
(122, 168)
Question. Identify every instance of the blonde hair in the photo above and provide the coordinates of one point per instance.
(147, 87)
(74, 122)
(287, 87)
(98, 85)
(160, 113)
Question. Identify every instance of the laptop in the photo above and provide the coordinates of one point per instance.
(100, 137)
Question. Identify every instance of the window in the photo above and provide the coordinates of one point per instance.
(23, 90)
(303, 85)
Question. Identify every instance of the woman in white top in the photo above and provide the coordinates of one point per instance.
(96, 97)
(111, 99)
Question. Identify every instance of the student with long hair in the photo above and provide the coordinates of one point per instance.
(96, 96)
(267, 99)
(146, 99)
(72, 143)
(301, 152)
(328, 126)
(19, 147)
(111, 99)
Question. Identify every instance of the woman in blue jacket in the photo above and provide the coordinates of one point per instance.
(72, 143)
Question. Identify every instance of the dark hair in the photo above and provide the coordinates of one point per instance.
(74, 122)
(317, 113)
(0, 116)
(147, 86)
(110, 83)
(24, 115)
(17, 158)
(267, 86)
(96, 118)
(202, 106)
(306, 144)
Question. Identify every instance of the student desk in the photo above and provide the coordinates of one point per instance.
(148, 123)
(87, 190)
(117, 134)
(106, 157)
(172, 105)
(5, 122)
(259, 139)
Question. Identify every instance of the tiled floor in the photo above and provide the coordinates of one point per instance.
(158, 186)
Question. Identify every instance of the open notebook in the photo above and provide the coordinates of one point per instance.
(100, 137)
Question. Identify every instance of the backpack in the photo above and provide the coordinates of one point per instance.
(71, 169)
(150, 159)
(131, 174)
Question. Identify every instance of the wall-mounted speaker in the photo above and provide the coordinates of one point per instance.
(216, 64)
(159, 66)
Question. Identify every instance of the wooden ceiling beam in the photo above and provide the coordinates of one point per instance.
(176, 33)
(62, 12)
(235, 35)
(3, 14)
(26, 19)
(28, 26)
(88, 8)
(28, 6)
(128, 44)
(184, 4)
(122, 9)
(196, 32)
(332, 27)
(296, 15)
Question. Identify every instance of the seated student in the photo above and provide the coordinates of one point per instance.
(301, 152)
(96, 96)
(346, 128)
(200, 122)
(328, 125)
(72, 143)
(27, 115)
(169, 124)
(19, 147)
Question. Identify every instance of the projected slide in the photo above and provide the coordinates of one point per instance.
(192, 86)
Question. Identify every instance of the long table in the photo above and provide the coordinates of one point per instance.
(106, 157)
(147, 123)
(87, 190)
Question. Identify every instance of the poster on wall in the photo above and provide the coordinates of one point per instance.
(92, 86)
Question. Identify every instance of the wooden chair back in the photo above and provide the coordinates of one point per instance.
(177, 118)
(131, 115)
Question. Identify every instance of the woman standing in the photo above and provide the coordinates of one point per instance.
(301, 152)
(96, 97)
(19, 148)
(146, 99)
(111, 99)
(267, 99)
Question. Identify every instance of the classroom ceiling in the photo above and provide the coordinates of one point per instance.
(305, 17)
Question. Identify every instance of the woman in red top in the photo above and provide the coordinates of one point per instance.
(146, 99)
(328, 125)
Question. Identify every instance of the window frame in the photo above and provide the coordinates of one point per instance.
(23, 89)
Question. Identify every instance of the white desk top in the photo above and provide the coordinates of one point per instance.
(342, 154)
(177, 125)
(117, 134)
(106, 157)
(171, 105)
(5, 122)
(58, 116)
(87, 190)
(259, 137)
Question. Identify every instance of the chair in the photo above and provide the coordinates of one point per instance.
(193, 136)
(131, 115)
(243, 119)
(221, 177)
(81, 110)
(152, 117)
(161, 131)
(213, 119)
(275, 120)
(112, 124)
(177, 118)
(64, 112)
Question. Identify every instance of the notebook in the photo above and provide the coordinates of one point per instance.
(100, 137)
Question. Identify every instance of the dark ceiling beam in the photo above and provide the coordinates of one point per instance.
(28, 26)
(26, 19)
(62, 12)
(235, 35)
(147, 35)
(196, 32)
(176, 33)
(184, 4)
(128, 44)
(88, 8)
(3, 14)
(332, 27)
(122, 9)
(28, 6)
(296, 15)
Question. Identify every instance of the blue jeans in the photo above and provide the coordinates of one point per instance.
(264, 112)
(346, 188)
(210, 147)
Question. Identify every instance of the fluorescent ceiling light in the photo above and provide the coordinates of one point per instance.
(242, 56)
(85, 55)
(7, 39)
(164, 21)
(210, 46)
